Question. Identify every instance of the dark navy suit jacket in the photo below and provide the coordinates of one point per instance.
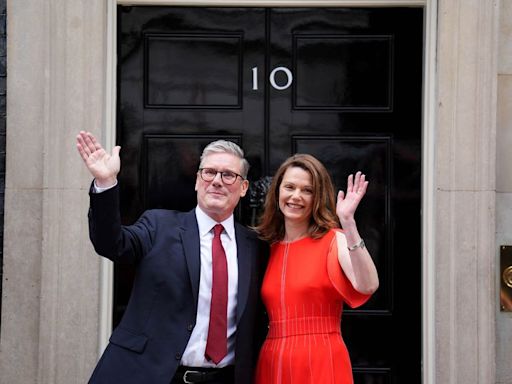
(164, 245)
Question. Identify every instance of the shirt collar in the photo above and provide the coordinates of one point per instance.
(206, 223)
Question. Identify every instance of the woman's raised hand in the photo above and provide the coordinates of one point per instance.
(348, 202)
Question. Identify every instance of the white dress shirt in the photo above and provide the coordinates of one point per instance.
(196, 347)
(194, 352)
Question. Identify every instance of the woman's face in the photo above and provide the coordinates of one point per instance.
(296, 195)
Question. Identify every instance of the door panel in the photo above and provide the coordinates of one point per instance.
(363, 61)
(181, 85)
(341, 84)
(175, 78)
(355, 104)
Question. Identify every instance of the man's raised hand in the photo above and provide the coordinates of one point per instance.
(103, 167)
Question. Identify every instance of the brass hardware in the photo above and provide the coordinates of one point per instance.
(506, 278)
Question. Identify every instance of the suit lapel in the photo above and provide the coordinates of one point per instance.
(191, 248)
(244, 256)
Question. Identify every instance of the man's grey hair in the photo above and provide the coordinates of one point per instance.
(224, 146)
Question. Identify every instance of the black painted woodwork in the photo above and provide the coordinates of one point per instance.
(3, 130)
(185, 78)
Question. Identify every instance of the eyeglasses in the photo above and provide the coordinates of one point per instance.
(228, 177)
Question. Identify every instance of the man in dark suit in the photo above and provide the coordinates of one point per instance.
(171, 331)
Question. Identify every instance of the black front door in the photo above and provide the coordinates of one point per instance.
(341, 84)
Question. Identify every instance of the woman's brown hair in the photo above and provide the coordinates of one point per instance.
(323, 215)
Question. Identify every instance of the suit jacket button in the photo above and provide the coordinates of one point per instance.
(190, 327)
(178, 356)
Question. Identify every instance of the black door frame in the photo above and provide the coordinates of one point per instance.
(428, 166)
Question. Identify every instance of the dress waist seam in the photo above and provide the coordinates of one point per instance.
(302, 327)
(279, 335)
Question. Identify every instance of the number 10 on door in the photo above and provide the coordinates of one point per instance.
(272, 78)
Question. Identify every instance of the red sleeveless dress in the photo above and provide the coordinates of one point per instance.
(304, 289)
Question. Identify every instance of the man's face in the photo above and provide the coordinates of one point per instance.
(215, 198)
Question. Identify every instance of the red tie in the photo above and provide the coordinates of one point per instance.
(217, 343)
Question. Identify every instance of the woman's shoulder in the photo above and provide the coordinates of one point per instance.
(333, 232)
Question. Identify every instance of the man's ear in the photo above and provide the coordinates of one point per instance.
(244, 188)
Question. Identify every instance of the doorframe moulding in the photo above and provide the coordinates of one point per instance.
(278, 3)
(428, 144)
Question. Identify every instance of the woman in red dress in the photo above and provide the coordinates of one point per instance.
(314, 268)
